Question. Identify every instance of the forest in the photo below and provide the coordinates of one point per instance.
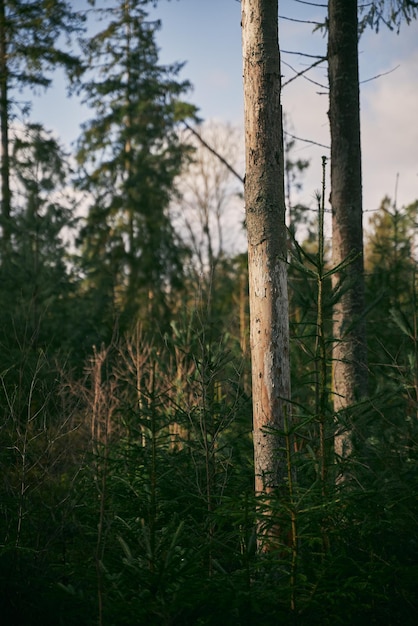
(139, 484)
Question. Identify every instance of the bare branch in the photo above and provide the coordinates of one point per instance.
(302, 54)
(293, 19)
(312, 4)
(315, 143)
(298, 74)
(367, 80)
(213, 151)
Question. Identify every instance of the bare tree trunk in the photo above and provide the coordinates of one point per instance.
(349, 352)
(265, 215)
(4, 133)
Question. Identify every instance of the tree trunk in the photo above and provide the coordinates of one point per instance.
(4, 133)
(349, 351)
(265, 217)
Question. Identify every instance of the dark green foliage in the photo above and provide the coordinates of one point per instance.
(149, 512)
(126, 495)
(130, 155)
(40, 308)
(391, 283)
(126, 471)
(30, 38)
(34, 31)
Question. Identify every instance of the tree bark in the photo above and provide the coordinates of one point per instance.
(266, 230)
(349, 351)
(4, 133)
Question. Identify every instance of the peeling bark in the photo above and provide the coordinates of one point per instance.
(265, 216)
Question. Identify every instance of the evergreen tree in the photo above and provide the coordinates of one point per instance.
(130, 154)
(391, 284)
(391, 12)
(37, 288)
(44, 216)
(30, 47)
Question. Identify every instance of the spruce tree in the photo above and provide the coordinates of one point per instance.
(30, 48)
(391, 285)
(130, 154)
(37, 286)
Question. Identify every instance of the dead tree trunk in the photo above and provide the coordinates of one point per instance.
(265, 217)
(349, 352)
(4, 133)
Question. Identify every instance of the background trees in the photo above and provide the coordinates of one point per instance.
(130, 155)
(126, 450)
(29, 49)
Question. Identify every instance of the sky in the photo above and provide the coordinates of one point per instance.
(206, 36)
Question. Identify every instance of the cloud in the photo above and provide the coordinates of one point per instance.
(388, 120)
(390, 135)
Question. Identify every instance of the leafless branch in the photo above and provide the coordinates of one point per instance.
(293, 19)
(312, 4)
(302, 54)
(315, 143)
(367, 80)
(213, 151)
(298, 74)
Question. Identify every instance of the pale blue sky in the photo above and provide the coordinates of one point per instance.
(206, 34)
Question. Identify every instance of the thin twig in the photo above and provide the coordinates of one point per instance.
(367, 80)
(301, 73)
(312, 4)
(213, 151)
(315, 143)
(293, 19)
(302, 54)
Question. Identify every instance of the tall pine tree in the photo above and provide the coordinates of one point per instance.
(130, 154)
(37, 288)
(31, 34)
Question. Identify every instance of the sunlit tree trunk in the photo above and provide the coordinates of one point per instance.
(265, 216)
(349, 353)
